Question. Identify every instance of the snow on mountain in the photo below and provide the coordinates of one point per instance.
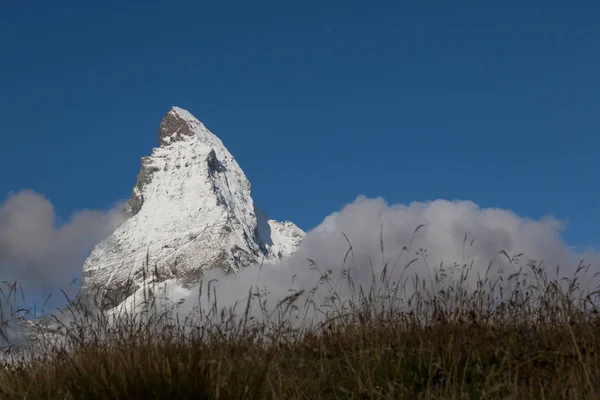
(191, 210)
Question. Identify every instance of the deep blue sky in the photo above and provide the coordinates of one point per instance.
(318, 101)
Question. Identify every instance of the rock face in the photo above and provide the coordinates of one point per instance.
(191, 210)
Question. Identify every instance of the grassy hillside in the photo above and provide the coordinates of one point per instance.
(533, 338)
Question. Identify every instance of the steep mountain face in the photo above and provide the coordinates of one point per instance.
(191, 210)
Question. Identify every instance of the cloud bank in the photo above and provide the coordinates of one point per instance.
(450, 232)
(421, 235)
(40, 255)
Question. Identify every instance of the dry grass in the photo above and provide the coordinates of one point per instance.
(531, 338)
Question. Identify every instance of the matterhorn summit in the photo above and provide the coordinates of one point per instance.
(191, 210)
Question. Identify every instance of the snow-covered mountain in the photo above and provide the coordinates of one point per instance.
(191, 210)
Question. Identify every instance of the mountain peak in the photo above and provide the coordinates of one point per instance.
(191, 210)
(179, 124)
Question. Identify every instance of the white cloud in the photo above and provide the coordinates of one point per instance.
(41, 256)
(366, 221)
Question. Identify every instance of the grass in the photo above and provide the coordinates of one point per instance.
(526, 336)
